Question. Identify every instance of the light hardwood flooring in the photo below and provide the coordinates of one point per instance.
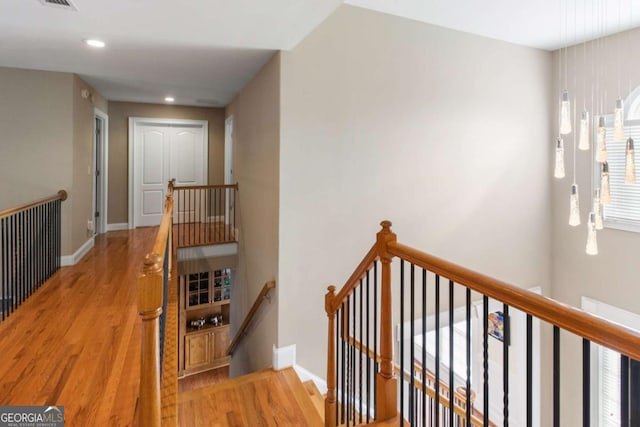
(264, 398)
(76, 341)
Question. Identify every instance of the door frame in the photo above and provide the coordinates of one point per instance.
(102, 180)
(134, 123)
(229, 176)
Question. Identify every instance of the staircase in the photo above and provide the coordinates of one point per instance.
(267, 397)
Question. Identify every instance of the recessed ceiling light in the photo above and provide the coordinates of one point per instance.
(94, 43)
(169, 99)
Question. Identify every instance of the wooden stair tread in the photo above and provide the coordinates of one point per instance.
(316, 397)
(266, 397)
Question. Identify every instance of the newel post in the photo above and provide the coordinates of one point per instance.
(150, 308)
(330, 400)
(387, 383)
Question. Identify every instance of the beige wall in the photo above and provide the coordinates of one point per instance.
(36, 110)
(119, 113)
(611, 276)
(442, 132)
(256, 112)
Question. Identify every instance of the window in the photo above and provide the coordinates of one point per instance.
(624, 211)
(606, 389)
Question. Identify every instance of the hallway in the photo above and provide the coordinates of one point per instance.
(76, 341)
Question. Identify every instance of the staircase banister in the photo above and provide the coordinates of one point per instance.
(571, 319)
(250, 315)
(200, 187)
(354, 279)
(60, 195)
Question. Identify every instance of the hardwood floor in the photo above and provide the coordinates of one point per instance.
(265, 398)
(204, 379)
(76, 341)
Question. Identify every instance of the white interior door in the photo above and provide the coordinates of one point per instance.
(187, 168)
(165, 150)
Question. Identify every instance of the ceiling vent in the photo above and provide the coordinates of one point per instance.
(62, 4)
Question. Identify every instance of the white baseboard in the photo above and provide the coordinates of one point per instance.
(284, 357)
(117, 226)
(67, 260)
(305, 375)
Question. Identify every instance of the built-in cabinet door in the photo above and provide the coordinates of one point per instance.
(221, 342)
(198, 350)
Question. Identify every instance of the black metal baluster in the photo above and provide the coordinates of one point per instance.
(348, 376)
(198, 201)
(401, 375)
(3, 266)
(375, 337)
(343, 375)
(437, 361)
(368, 370)
(451, 348)
(505, 364)
(424, 347)
(529, 370)
(360, 352)
(21, 261)
(337, 355)
(624, 391)
(556, 376)
(586, 383)
(485, 357)
(468, 383)
(353, 359)
(412, 311)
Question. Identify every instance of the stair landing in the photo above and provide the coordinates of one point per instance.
(264, 398)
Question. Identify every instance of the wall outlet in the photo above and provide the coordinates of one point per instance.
(90, 225)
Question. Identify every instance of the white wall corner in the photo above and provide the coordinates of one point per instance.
(117, 226)
(67, 260)
(284, 357)
(305, 376)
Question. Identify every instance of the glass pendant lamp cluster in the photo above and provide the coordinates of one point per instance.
(590, 123)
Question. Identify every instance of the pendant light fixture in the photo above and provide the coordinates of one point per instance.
(559, 168)
(601, 144)
(618, 120)
(605, 193)
(592, 240)
(597, 210)
(630, 163)
(565, 114)
(574, 206)
(584, 131)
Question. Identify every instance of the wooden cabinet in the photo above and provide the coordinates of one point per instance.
(204, 321)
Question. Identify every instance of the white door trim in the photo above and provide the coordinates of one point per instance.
(134, 123)
(103, 167)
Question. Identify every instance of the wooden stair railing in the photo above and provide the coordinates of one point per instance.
(153, 292)
(205, 215)
(30, 235)
(250, 315)
(344, 360)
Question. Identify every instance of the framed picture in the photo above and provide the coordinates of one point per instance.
(497, 326)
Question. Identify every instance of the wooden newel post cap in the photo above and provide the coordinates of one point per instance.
(63, 195)
(331, 289)
(152, 263)
(386, 225)
(328, 300)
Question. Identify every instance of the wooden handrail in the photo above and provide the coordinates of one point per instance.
(354, 280)
(571, 319)
(150, 304)
(60, 195)
(201, 187)
(252, 312)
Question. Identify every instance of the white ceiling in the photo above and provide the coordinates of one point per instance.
(204, 51)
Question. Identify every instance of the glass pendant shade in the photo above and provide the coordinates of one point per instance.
(605, 193)
(597, 210)
(574, 206)
(592, 240)
(630, 163)
(565, 114)
(558, 171)
(601, 144)
(618, 120)
(584, 131)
